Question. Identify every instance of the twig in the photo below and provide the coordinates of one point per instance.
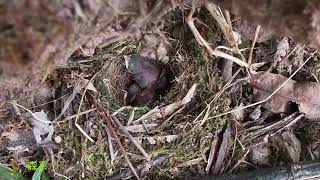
(240, 160)
(225, 25)
(33, 115)
(234, 142)
(270, 96)
(256, 33)
(201, 41)
(262, 131)
(48, 102)
(129, 136)
(75, 115)
(115, 136)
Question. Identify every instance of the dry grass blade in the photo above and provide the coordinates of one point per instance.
(76, 115)
(213, 98)
(83, 132)
(106, 114)
(240, 160)
(256, 33)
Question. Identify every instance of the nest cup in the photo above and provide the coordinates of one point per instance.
(116, 79)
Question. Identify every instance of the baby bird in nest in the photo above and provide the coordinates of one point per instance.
(148, 80)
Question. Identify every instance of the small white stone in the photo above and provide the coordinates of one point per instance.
(57, 139)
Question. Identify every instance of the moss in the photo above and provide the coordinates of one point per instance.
(71, 145)
(140, 111)
(98, 162)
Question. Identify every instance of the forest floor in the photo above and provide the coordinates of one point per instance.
(95, 133)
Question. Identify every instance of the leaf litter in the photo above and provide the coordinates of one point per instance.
(304, 94)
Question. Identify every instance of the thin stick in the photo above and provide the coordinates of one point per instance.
(256, 33)
(106, 114)
(75, 115)
(48, 102)
(79, 109)
(33, 115)
(129, 136)
(201, 41)
(240, 160)
(269, 97)
(115, 136)
(224, 24)
(83, 132)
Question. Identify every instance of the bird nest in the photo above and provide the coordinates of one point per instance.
(115, 79)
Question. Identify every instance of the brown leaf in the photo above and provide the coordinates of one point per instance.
(305, 94)
(288, 144)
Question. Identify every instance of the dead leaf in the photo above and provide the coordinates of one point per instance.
(43, 132)
(20, 140)
(305, 94)
(255, 115)
(260, 154)
(288, 144)
(239, 115)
